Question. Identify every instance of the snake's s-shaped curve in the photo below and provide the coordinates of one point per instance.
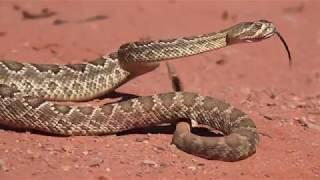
(26, 90)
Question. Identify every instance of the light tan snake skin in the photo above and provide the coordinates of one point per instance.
(26, 90)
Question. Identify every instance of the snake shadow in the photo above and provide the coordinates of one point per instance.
(159, 129)
(169, 129)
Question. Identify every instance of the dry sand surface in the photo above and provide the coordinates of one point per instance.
(283, 101)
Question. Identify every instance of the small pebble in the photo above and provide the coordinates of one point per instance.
(65, 167)
(142, 139)
(3, 166)
(151, 163)
(267, 117)
(103, 178)
(192, 168)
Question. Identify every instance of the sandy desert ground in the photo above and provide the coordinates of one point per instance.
(284, 102)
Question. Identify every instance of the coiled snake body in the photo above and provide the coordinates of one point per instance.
(26, 90)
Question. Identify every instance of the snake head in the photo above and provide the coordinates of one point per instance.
(250, 31)
(253, 32)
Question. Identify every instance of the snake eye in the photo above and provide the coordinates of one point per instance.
(258, 26)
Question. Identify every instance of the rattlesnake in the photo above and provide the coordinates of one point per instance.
(27, 92)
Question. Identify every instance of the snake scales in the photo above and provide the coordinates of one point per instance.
(27, 92)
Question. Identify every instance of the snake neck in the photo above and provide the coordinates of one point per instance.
(154, 51)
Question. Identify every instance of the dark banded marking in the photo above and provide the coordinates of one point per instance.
(235, 114)
(107, 109)
(13, 65)
(77, 67)
(126, 106)
(210, 103)
(64, 109)
(7, 91)
(87, 110)
(189, 99)
(34, 102)
(47, 68)
(113, 55)
(98, 62)
(147, 102)
(167, 99)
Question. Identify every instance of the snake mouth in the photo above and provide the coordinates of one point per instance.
(266, 36)
(256, 39)
(270, 34)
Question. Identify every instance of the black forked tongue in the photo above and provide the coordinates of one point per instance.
(286, 46)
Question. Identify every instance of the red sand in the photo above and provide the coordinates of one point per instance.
(283, 101)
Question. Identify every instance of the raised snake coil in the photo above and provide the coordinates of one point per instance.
(26, 90)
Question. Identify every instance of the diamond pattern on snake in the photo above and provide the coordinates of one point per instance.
(28, 92)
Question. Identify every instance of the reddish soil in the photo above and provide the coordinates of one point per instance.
(283, 101)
